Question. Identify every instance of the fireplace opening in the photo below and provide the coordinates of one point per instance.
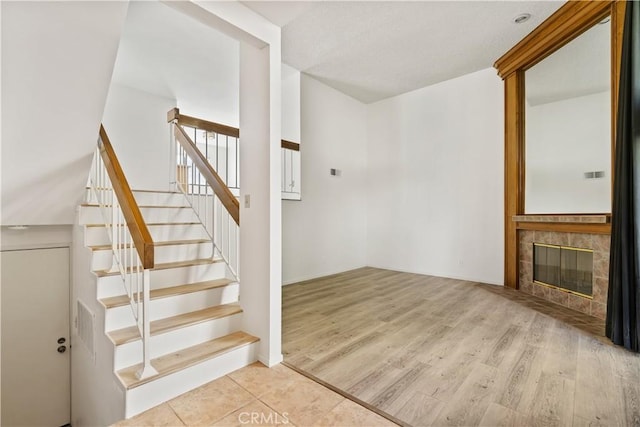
(565, 268)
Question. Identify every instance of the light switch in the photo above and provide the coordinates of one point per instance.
(247, 201)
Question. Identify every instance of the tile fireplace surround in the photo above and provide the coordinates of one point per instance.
(599, 243)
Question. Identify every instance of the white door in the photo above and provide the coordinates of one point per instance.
(36, 382)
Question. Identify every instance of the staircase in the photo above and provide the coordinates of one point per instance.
(188, 307)
(194, 313)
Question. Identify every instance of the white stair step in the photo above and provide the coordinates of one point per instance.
(164, 198)
(165, 275)
(130, 353)
(148, 197)
(170, 214)
(92, 214)
(97, 234)
(186, 370)
(121, 316)
(120, 300)
(129, 334)
(164, 252)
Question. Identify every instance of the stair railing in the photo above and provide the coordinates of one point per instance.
(218, 143)
(216, 206)
(131, 241)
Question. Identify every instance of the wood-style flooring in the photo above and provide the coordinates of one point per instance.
(435, 351)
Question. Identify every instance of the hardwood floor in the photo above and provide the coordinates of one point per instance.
(435, 351)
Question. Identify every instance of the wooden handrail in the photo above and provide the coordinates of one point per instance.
(195, 122)
(225, 195)
(137, 227)
(174, 114)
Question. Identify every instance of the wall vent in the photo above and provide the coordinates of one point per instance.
(594, 175)
(85, 321)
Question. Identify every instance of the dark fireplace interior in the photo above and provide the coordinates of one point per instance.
(563, 267)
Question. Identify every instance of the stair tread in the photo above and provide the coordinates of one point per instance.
(131, 333)
(160, 243)
(122, 300)
(185, 358)
(165, 266)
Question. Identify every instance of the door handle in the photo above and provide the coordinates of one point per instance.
(62, 349)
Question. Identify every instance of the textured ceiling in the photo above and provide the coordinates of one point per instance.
(375, 50)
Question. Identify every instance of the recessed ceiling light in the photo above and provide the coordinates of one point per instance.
(523, 17)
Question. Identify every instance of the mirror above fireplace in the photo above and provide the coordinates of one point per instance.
(568, 127)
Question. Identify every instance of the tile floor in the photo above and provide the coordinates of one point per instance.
(257, 395)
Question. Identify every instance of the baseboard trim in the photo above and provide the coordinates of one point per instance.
(319, 275)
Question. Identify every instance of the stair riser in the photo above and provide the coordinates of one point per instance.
(164, 233)
(97, 236)
(159, 199)
(169, 215)
(122, 317)
(146, 396)
(111, 286)
(131, 353)
(103, 259)
(93, 215)
(94, 236)
(148, 198)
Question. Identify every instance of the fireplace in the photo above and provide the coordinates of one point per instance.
(584, 285)
(566, 268)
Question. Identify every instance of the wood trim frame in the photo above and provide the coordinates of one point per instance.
(135, 222)
(225, 195)
(568, 22)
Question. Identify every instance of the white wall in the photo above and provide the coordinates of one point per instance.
(290, 103)
(167, 53)
(57, 59)
(565, 139)
(35, 237)
(435, 180)
(97, 397)
(325, 232)
(136, 123)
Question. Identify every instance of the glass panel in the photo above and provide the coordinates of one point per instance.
(584, 273)
(546, 264)
(539, 263)
(569, 260)
(553, 262)
(577, 269)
